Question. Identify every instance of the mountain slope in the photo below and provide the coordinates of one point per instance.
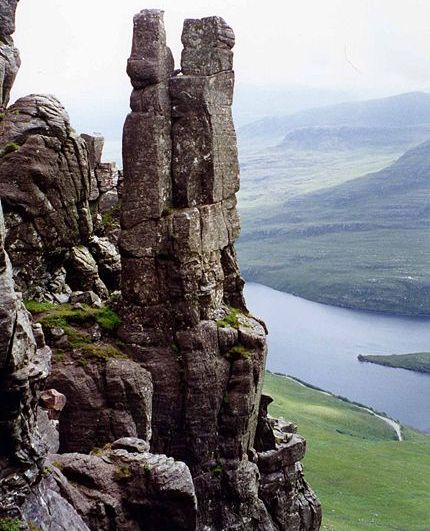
(404, 110)
(362, 244)
(364, 478)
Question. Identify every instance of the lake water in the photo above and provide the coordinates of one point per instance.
(319, 344)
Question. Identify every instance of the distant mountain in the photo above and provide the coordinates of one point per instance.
(362, 244)
(405, 110)
(397, 196)
(333, 138)
(253, 102)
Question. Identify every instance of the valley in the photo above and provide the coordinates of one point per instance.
(342, 224)
(363, 476)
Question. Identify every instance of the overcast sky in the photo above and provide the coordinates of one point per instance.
(77, 49)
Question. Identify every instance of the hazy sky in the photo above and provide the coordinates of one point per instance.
(77, 49)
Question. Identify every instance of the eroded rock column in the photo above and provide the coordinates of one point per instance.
(184, 316)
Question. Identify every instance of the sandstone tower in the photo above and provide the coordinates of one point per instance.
(184, 315)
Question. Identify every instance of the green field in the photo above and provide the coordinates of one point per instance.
(364, 478)
(417, 361)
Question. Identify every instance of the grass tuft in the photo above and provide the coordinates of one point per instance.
(238, 352)
(122, 472)
(11, 147)
(10, 524)
(231, 319)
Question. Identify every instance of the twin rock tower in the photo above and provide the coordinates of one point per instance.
(184, 316)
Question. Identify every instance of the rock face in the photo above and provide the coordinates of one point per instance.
(46, 201)
(9, 55)
(104, 175)
(26, 432)
(126, 487)
(23, 368)
(105, 402)
(184, 316)
(47, 210)
(48, 175)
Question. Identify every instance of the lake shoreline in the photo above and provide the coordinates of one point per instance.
(409, 362)
(397, 427)
(356, 308)
(319, 344)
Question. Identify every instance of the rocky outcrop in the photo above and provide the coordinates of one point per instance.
(125, 487)
(170, 425)
(23, 369)
(184, 316)
(26, 431)
(45, 185)
(50, 236)
(104, 175)
(46, 201)
(9, 55)
(48, 175)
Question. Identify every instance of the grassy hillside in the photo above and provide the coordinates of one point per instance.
(417, 361)
(364, 243)
(364, 478)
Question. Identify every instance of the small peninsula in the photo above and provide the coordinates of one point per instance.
(418, 361)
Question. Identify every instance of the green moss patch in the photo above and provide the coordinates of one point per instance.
(10, 524)
(75, 323)
(61, 315)
(231, 319)
(10, 147)
(238, 352)
(111, 218)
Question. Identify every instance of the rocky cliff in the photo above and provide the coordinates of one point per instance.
(154, 420)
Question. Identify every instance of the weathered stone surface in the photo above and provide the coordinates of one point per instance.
(125, 489)
(53, 402)
(207, 46)
(108, 261)
(183, 314)
(146, 140)
(23, 369)
(46, 202)
(95, 143)
(46, 508)
(205, 166)
(104, 402)
(83, 271)
(9, 55)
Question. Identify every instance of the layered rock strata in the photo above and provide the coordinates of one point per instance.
(184, 316)
(104, 175)
(125, 487)
(27, 433)
(23, 369)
